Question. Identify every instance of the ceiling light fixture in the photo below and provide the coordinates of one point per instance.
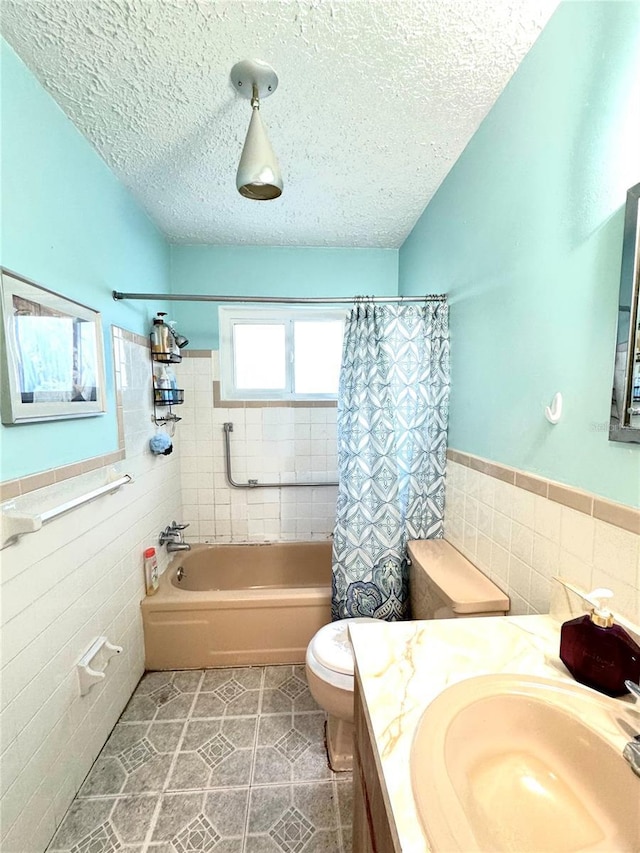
(259, 175)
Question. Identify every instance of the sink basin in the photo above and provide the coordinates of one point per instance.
(526, 764)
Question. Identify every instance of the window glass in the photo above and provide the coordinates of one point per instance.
(259, 356)
(317, 347)
(280, 353)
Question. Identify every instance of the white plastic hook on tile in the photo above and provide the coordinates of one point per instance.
(94, 661)
(553, 413)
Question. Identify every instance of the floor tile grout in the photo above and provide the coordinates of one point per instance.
(245, 830)
(152, 825)
(176, 753)
(161, 792)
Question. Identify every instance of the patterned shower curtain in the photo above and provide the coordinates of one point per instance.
(393, 405)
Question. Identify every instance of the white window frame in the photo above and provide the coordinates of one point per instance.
(230, 316)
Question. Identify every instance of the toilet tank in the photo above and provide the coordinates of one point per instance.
(443, 584)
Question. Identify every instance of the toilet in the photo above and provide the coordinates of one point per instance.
(443, 584)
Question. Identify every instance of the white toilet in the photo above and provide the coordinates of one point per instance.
(442, 584)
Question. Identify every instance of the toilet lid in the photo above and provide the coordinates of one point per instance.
(332, 647)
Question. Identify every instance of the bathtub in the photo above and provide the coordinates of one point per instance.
(236, 605)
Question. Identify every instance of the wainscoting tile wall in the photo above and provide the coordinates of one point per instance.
(521, 540)
(77, 578)
(269, 443)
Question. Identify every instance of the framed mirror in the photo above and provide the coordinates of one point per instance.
(51, 355)
(625, 401)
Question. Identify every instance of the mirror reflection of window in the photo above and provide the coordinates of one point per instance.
(84, 359)
(635, 382)
(624, 424)
(57, 355)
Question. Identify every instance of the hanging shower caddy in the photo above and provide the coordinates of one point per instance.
(165, 350)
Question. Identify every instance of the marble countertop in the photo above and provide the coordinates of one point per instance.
(403, 666)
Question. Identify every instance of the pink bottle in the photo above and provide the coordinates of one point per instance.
(598, 652)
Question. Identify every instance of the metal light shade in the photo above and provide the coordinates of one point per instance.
(259, 175)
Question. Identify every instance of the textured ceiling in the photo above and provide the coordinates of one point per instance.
(376, 101)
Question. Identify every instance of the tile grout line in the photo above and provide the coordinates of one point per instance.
(207, 790)
(258, 714)
(162, 792)
(336, 811)
(152, 825)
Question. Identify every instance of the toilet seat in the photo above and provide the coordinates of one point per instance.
(330, 654)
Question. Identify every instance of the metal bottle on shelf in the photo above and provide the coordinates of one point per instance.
(159, 336)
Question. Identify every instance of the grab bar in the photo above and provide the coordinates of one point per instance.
(16, 524)
(85, 499)
(254, 484)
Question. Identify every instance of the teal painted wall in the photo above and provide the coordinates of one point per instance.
(271, 271)
(69, 225)
(525, 235)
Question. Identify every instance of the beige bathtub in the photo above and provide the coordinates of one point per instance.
(238, 605)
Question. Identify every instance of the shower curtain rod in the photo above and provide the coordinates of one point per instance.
(286, 300)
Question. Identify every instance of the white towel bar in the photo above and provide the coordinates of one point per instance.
(15, 524)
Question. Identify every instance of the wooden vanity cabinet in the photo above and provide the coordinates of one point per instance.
(371, 825)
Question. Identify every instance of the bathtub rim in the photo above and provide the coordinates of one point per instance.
(170, 597)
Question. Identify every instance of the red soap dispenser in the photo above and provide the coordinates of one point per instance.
(596, 651)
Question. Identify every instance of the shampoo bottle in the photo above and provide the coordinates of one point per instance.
(162, 382)
(173, 386)
(151, 571)
(596, 651)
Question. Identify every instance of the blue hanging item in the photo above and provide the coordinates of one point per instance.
(161, 444)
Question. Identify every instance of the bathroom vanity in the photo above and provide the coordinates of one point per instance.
(373, 828)
(400, 669)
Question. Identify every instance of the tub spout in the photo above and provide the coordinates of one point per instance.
(177, 546)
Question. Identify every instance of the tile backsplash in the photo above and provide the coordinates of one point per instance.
(268, 443)
(521, 540)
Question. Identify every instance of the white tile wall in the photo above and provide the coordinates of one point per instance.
(77, 578)
(521, 540)
(268, 444)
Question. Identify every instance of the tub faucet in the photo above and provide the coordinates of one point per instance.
(173, 537)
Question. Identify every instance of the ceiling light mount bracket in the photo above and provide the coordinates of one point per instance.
(252, 77)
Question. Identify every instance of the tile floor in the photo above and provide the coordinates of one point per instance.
(220, 761)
